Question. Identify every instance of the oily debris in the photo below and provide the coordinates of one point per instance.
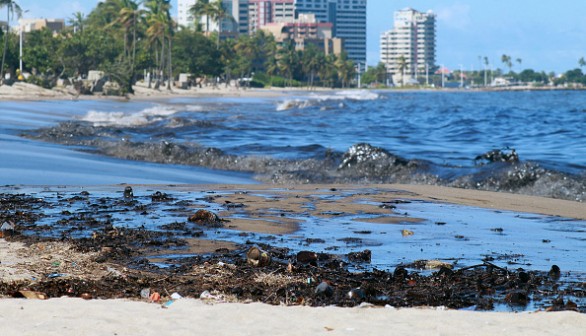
(93, 259)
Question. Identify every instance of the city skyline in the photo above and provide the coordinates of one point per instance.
(546, 36)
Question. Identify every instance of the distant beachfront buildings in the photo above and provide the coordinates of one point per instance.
(409, 49)
(346, 17)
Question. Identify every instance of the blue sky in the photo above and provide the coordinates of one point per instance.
(545, 35)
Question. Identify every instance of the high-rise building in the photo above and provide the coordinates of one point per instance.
(408, 50)
(348, 18)
(263, 12)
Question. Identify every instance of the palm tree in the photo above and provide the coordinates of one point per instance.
(486, 64)
(11, 8)
(345, 68)
(402, 66)
(200, 9)
(129, 17)
(288, 59)
(507, 61)
(582, 62)
(160, 32)
(77, 21)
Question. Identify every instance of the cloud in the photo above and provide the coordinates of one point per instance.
(456, 16)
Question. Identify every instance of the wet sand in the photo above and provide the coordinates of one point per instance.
(70, 316)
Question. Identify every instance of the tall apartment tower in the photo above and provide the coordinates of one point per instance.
(348, 18)
(263, 12)
(408, 50)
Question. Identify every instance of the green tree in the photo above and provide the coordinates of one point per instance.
(12, 9)
(312, 60)
(345, 68)
(582, 62)
(401, 67)
(288, 58)
(507, 61)
(195, 54)
(159, 34)
(200, 9)
(377, 74)
(77, 21)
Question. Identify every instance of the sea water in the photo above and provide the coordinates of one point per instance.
(424, 137)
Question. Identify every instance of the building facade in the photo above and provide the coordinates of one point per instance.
(264, 12)
(306, 30)
(409, 49)
(348, 18)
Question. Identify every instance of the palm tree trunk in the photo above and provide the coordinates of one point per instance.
(170, 65)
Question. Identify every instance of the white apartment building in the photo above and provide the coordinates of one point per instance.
(408, 50)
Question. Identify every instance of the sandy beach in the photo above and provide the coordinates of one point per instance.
(187, 317)
(25, 263)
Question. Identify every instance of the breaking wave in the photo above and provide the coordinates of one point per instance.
(316, 99)
(122, 119)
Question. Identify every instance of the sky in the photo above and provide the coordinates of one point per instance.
(545, 35)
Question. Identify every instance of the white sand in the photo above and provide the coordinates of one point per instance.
(193, 317)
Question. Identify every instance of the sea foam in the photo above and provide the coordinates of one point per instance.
(122, 119)
(315, 99)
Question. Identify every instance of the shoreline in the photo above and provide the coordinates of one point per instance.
(31, 92)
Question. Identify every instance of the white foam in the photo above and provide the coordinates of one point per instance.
(294, 103)
(144, 117)
(337, 96)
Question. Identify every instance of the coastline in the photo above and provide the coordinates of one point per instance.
(31, 92)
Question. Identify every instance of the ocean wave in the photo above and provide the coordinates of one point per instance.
(122, 119)
(317, 98)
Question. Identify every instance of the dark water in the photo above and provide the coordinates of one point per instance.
(409, 137)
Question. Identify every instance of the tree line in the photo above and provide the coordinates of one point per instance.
(127, 39)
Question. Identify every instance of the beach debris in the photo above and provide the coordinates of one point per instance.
(176, 296)
(145, 293)
(555, 272)
(430, 264)
(257, 257)
(307, 257)
(324, 288)
(517, 298)
(86, 296)
(400, 273)
(363, 256)
(155, 297)
(160, 197)
(33, 295)
(128, 193)
(497, 155)
(407, 233)
(206, 218)
(559, 305)
(7, 229)
(356, 294)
